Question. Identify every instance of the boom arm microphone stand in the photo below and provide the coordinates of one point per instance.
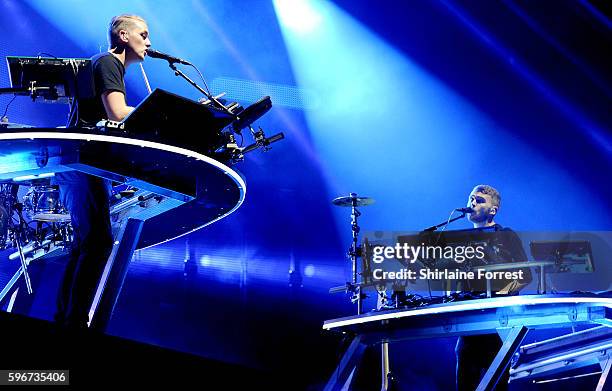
(261, 141)
(178, 72)
(447, 222)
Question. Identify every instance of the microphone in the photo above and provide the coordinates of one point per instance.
(465, 210)
(171, 59)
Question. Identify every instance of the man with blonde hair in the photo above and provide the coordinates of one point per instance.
(87, 197)
(485, 202)
(128, 37)
(476, 352)
(119, 23)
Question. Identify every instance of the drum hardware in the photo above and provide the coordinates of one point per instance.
(8, 197)
(52, 217)
(350, 200)
(4, 225)
(59, 237)
(42, 207)
(42, 203)
(32, 245)
(355, 251)
(353, 201)
(19, 234)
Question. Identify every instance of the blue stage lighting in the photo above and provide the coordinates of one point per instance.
(18, 161)
(389, 129)
(309, 270)
(298, 15)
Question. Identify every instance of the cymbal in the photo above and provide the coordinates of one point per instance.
(52, 217)
(348, 201)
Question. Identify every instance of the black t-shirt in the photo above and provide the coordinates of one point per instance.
(502, 245)
(108, 75)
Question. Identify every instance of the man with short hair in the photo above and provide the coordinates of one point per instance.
(475, 353)
(485, 202)
(128, 37)
(85, 196)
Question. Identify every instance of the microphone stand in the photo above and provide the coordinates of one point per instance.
(178, 72)
(434, 228)
(447, 222)
(260, 140)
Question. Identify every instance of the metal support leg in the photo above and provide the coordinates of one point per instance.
(24, 266)
(22, 270)
(501, 361)
(603, 383)
(347, 365)
(9, 285)
(386, 371)
(114, 275)
(32, 252)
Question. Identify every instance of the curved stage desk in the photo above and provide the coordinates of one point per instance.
(511, 317)
(179, 189)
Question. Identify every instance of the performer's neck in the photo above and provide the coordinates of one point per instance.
(120, 54)
(484, 224)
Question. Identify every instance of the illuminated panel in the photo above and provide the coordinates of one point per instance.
(469, 306)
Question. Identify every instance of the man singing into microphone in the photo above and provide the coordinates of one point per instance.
(475, 353)
(85, 196)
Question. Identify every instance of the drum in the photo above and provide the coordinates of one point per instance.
(43, 203)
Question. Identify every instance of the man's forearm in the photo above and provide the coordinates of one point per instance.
(121, 114)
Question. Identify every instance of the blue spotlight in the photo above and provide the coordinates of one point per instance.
(391, 130)
(297, 15)
(309, 270)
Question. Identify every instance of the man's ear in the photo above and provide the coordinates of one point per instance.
(123, 34)
(493, 211)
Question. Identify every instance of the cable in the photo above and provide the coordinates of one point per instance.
(206, 92)
(7, 107)
(73, 104)
(73, 117)
(203, 80)
(47, 54)
(445, 225)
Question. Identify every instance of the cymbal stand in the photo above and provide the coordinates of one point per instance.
(353, 253)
